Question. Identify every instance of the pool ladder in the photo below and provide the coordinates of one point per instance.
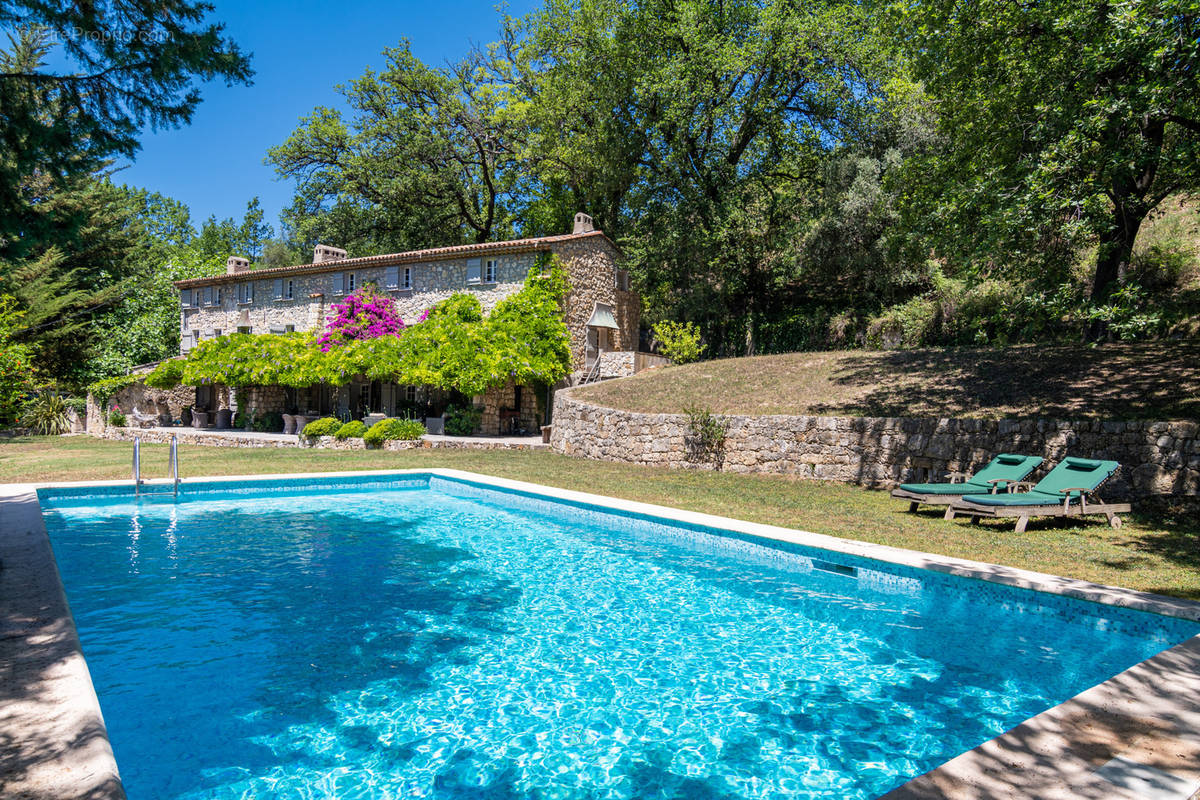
(137, 465)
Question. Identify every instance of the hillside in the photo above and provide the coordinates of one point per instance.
(1156, 380)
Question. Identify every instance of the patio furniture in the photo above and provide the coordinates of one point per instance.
(301, 421)
(199, 418)
(435, 425)
(510, 420)
(141, 420)
(289, 423)
(224, 419)
(999, 475)
(371, 419)
(1068, 490)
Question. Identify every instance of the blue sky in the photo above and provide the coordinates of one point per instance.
(301, 50)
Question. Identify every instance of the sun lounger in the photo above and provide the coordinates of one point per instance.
(1068, 490)
(1000, 473)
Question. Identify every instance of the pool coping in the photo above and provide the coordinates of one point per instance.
(1049, 752)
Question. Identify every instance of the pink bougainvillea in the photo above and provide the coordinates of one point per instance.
(366, 314)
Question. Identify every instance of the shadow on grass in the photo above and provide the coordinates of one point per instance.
(1111, 382)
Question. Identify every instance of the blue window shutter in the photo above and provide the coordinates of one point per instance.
(250, 292)
(339, 283)
(208, 295)
(279, 288)
(473, 268)
(393, 277)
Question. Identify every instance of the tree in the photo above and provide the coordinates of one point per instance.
(1067, 121)
(253, 233)
(135, 65)
(424, 161)
(692, 127)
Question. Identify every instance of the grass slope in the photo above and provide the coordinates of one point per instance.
(1155, 551)
(1156, 380)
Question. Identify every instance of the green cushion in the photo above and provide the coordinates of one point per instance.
(1006, 467)
(945, 488)
(1019, 499)
(1072, 472)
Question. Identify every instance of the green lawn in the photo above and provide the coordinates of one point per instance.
(1156, 550)
(1154, 380)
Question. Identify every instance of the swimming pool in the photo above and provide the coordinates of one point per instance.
(422, 636)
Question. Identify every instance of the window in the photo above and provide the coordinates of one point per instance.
(623, 279)
(185, 343)
(489, 271)
(243, 329)
(410, 394)
(195, 336)
(289, 328)
(350, 282)
(276, 329)
(288, 290)
(406, 278)
(473, 270)
(216, 332)
(246, 292)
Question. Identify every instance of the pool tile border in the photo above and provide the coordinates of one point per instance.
(1039, 758)
(56, 745)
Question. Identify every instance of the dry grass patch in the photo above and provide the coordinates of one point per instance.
(1157, 380)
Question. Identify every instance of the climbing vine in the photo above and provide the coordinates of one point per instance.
(454, 347)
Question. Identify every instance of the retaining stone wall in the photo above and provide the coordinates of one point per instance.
(1157, 458)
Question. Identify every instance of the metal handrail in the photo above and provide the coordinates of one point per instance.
(175, 463)
(593, 374)
(137, 465)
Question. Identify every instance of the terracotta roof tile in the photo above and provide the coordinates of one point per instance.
(432, 254)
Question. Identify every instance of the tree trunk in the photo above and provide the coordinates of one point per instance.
(1112, 260)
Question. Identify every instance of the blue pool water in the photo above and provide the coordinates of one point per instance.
(444, 640)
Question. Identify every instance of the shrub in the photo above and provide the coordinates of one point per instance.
(166, 375)
(270, 422)
(116, 418)
(463, 420)
(387, 429)
(679, 341)
(78, 405)
(325, 426)
(706, 434)
(46, 414)
(351, 430)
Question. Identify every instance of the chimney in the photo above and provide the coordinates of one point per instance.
(236, 264)
(323, 253)
(583, 223)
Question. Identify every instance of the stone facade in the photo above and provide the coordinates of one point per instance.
(1157, 458)
(299, 298)
(504, 398)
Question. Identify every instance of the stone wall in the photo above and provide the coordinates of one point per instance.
(1157, 458)
(147, 400)
(505, 397)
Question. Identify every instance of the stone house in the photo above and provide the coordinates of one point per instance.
(601, 312)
